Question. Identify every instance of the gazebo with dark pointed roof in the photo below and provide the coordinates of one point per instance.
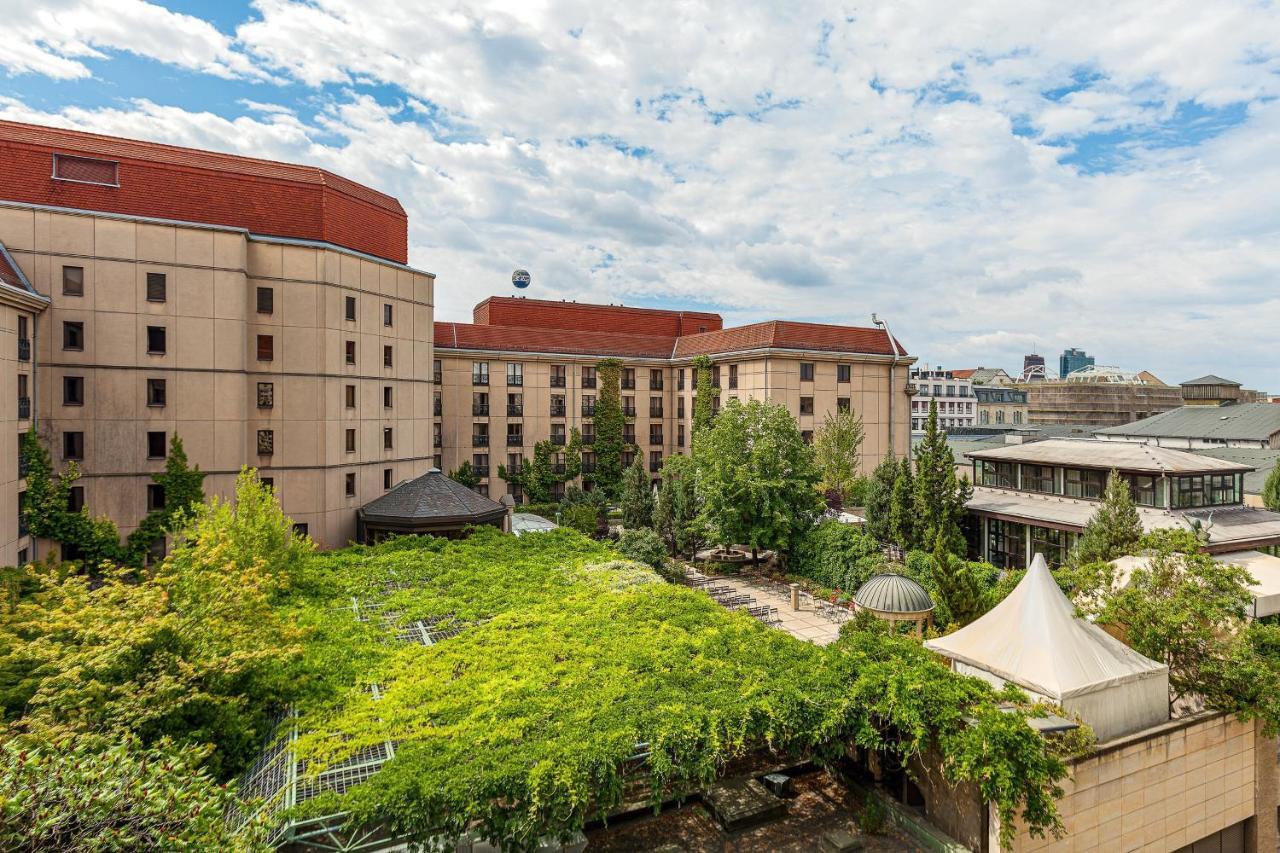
(431, 504)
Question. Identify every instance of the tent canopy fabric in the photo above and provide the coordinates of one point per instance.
(1264, 568)
(1033, 639)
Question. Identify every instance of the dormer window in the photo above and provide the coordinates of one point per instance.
(86, 170)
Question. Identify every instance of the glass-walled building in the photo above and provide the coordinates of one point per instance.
(1037, 497)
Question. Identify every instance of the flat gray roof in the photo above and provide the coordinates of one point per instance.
(1121, 455)
(1241, 422)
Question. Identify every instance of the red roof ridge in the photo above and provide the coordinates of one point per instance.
(533, 300)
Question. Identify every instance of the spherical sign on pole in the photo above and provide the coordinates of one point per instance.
(521, 279)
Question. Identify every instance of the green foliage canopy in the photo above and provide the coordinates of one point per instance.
(837, 448)
(941, 497)
(610, 428)
(1115, 528)
(1271, 489)
(677, 513)
(637, 496)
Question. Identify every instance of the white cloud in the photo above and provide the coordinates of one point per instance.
(789, 162)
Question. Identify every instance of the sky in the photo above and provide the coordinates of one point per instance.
(992, 178)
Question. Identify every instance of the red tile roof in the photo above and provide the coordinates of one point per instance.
(964, 374)
(9, 274)
(465, 336)
(784, 334)
(168, 182)
(549, 314)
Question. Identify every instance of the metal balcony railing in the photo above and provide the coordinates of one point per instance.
(479, 408)
(479, 380)
(479, 441)
(557, 381)
(481, 470)
(558, 439)
(557, 411)
(515, 380)
(588, 382)
(629, 411)
(24, 407)
(588, 410)
(515, 411)
(515, 441)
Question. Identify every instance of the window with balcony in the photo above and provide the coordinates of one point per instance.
(480, 404)
(157, 393)
(655, 379)
(680, 407)
(155, 445)
(157, 287)
(350, 352)
(679, 435)
(629, 407)
(733, 376)
(24, 340)
(558, 434)
(515, 435)
(515, 462)
(72, 390)
(480, 464)
(349, 303)
(558, 464)
(628, 378)
(655, 433)
(515, 405)
(73, 281)
(588, 377)
(515, 373)
(655, 407)
(588, 405)
(479, 373)
(558, 373)
(73, 335)
(557, 406)
(480, 435)
(266, 300)
(588, 434)
(655, 461)
(806, 371)
(715, 376)
(806, 405)
(680, 379)
(588, 462)
(629, 433)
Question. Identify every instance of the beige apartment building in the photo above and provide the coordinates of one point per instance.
(261, 311)
(525, 371)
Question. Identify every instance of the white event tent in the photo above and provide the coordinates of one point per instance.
(1033, 639)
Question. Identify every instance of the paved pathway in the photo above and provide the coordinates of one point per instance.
(805, 623)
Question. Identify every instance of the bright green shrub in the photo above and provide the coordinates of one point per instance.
(644, 546)
(836, 555)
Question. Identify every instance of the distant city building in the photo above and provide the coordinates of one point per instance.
(1195, 427)
(954, 396)
(1098, 396)
(1033, 368)
(1072, 360)
(999, 406)
(985, 376)
(1213, 390)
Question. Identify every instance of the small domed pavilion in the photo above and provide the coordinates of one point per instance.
(895, 599)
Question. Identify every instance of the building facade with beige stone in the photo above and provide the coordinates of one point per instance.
(262, 312)
(526, 371)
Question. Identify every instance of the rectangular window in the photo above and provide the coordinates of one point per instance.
(680, 407)
(387, 353)
(157, 393)
(806, 435)
(479, 435)
(387, 314)
(350, 311)
(387, 400)
(388, 438)
(655, 379)
(73, 445)
(479, 403)
(806, 405)
(479, 373)
(351, 441)
(515, 434)
(629, 433)
(72, 390)
(73, 281)
(157, 287)
(1037, 478)
(557, 405)
(351, 396)
(155, 445)
(75, 499)
(557, 434)
(266, 300)
(629, 407)
(1081, 483)
(843, 372)
(266, 348)
(437, 404)
(515, 373)
(266, 395)
(351, 485)
(387, 479)
(73, 335)
(655, 433)
(733, 376)
(589, 377)
(629, 378)
(680, 379)
(588, 434)
(557, 375)
(806, 371)
(351, 352)
(679, 435)
(266, 442)
(480, 464)
(155, 496)
(1002, 475)
(515, 405)
(437, 372)
(655, 407)
(655, 461)
(842, 404)
(437, 435)
(588, 405)
(300, 528)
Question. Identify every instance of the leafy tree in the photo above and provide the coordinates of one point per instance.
(581, 517)
(80, 535)
(1187, 610)
(644, 546)
(586, 512)
(610, 427)
(465, 475)
(902, 507)
(637, 496)
(955, 584)
(879, 504)
(1114, 529)
(704, 397)
(757, 477)
(183, 488)
(1271, 491)
(677, 510)
(539, 477)
(838, 447)
(940, 495)
(80, 794)
(838, 556)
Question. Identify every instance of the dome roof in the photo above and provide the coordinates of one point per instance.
(890, 593)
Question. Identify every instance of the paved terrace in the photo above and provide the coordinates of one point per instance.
(813, 622)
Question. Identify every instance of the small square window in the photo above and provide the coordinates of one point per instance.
(386, 478)
(73, 390)
(73, 281)
(266, 300)
(156, 393)
(266, 442)
(351, 352)
(351, 485)
(387, 352)
(156, 340)
(269, 482)
(155, 496)
(806, 405)
(386, 397)
(73, 445)
(351, 441)
(157, 286)
(266, 395)
(266, 348)
(73, 335)
(387, 314)
(350, 307)
(155, 445)
(75, 499)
